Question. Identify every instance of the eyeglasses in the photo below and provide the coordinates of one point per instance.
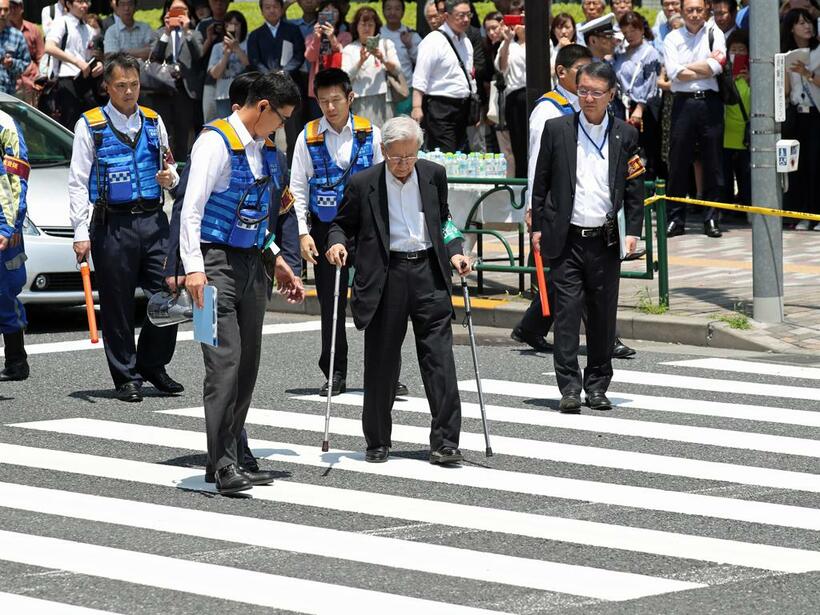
(401, 159)
(463, 15)
(596, 94)
(276, 111)
(694, 10)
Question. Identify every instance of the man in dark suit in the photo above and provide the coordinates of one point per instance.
(588, 170)
(396, 213)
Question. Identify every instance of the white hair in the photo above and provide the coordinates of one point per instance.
(428, 4)
(401, 128)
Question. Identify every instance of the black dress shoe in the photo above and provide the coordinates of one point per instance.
(339, 386)
(674, 229)
(570, 403)
(621, 350)
(15, 371)
(230, 480)
(130, 392)
(597, 400)
(446, 454)
(257, 477)
(533, 340)
(249, 464)
(401, 390)
(377, 455)
(163, 382)
(710, 229)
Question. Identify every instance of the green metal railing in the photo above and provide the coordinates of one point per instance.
(513, 264)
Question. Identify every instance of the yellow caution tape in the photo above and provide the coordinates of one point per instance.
(764, 211)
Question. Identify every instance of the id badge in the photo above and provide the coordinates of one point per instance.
(326, 204)
(119, 186)
(803, 109)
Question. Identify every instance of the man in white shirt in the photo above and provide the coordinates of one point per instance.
(52, 12)
(443, 80)
(118, 173)
(128, 35)
(223, 234)
(697, 114)
(396, 214)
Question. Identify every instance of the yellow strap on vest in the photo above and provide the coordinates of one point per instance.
(95, 117)
(149, 113)
(361, 123)
(224, 127)
(553, 95)
(312, 134)
(269, 144)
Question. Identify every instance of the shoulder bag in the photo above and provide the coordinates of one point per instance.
(474, 114)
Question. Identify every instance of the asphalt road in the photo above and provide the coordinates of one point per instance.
(699, 493)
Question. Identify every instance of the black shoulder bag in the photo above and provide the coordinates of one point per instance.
(725, 80)
(474, 114)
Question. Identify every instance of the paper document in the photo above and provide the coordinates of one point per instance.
(622, 232)
(205, 318)
(287, 53)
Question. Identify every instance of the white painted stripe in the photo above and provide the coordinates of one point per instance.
(17, 604)
(712, 384)
(353, 546)
(182, 336)
(226, 583)
(467, 476)
(548, 450)
(747, 412)
(591, 533)
(750, 367)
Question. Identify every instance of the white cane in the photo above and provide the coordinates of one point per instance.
(325, 442)
(469, 320)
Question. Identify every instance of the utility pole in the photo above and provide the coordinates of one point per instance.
(538, 49)
(767, 231)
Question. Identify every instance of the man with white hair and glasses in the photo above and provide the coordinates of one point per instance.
(396, 214)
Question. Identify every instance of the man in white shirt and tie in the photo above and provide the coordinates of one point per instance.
(697, 114)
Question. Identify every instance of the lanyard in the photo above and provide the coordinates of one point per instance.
(599, 149)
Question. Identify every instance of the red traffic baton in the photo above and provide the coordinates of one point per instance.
(542, 283)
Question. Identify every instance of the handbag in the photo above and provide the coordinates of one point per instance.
(474, 110)
(398, 84)
(158, 77)
(725, 80)
(47, 102)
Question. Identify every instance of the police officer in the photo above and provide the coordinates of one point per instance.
(13, 185)
(328, 152)
(235, 176)
(119, 168)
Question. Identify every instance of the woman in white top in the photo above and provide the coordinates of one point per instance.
(562, 33)
(228, 60)
(406, 42)
(511, 61)
(367, 60)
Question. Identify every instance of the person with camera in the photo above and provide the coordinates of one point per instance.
(119, 169)
(588, 170)
(229, 59)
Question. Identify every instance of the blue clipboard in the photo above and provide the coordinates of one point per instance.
(205, 318)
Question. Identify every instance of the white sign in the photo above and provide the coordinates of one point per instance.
(788, 155)
(780, 87)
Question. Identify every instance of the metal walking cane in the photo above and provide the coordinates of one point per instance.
(469, 322)
(325, 442)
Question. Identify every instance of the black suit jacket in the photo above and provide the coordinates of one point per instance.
(265, 51)
(363, 219)
(189, 60)
(553, 193)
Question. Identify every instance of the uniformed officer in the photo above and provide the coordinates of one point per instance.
(119, 168)
(599, 36)
(13, 185)
(234, 179)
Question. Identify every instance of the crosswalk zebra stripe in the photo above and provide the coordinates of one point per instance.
(750, 367)
(689, 434)
(675, 405)
(572, 579)
(17, 604)
(481, 478)
(547, 450)
(227, 583)
(590, 533)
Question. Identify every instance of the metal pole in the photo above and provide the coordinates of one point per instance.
(538, 50)
(326, 440)
(468, 317)
(663, 262)
(767, 231)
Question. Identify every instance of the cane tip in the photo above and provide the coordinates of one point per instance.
(325, 446)
(488, 452)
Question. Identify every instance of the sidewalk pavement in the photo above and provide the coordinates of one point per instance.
(709, 279)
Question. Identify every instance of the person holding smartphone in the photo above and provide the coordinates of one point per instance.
(736, 154)
(229, 59)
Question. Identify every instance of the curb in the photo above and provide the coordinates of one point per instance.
(665, 328)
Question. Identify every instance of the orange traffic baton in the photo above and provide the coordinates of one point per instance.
(85, 273)
(542, 283)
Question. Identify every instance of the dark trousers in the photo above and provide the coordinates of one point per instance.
(697, 133)
(72, 98)
(445, 122)
(180, 113)
(231, 366)
(325, 284)
(584, 277)
(129, 251)
(516, 116)
(804, 184)
(737, 165)
(414, 289)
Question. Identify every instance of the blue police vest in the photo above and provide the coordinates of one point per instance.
(238, 216)
(127, 173)
(563, 105)
(328, 182)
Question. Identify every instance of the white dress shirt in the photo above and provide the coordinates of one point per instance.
(340, 146)
(515, 76)
(681, 48)
(592, 199)
(82, 161)
(408, 229)
(45, 15)
(369, 79)
(803, 92)
(543, 112)
(211, 172)
(437, 70)
(78, 42)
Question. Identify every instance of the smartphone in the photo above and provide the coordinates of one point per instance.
(230, 32)
(740, 63)
(513, 20)
(372, 43)
(175, 14)
(326, 17)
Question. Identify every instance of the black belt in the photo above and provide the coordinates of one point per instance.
(448, 99)
(699, 95)
(587, 232)
(135, 207)
(412, 256)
